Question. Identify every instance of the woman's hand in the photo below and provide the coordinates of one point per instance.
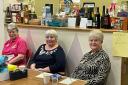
(33, 66)
(46, 69)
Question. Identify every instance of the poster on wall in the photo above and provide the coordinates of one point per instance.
(120, 44)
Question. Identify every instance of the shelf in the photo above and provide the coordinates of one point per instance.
(27, 26)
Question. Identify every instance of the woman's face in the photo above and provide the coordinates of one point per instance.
(95, 43)
(51, 40)
(12, 33)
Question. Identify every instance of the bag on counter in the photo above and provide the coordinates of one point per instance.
(18, 74)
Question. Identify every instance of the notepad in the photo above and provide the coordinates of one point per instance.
(42, 75)
(68, 81)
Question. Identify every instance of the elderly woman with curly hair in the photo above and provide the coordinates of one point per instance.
(94, 67)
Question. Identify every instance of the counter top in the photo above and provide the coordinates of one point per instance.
(63, 28)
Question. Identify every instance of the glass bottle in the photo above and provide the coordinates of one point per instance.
(97, 18)
(8, 16)
(21, 13)
(102, 17)
(107, 22)
(89, 20)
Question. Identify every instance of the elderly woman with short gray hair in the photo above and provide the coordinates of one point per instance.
(94, 67)
(49, 57)
(16, 47)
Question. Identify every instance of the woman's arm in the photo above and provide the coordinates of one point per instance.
(102, 73)
(16, 59)
(35, 55)
(59, 56)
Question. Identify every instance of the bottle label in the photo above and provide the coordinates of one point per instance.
(89, 22)
(106, 21)
(22, 13)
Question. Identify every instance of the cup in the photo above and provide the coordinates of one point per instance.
(54, 79)
(46, 79)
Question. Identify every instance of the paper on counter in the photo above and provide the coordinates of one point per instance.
(42, 75)
(68, 81)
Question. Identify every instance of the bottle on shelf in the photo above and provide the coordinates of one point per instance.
(78, 20)
(8, 16)
(107, 22)
(93, 19)
(102, 17)
(89, 19)
(18, 17)
(97, 18)
(26, 15)
(86, 13)
(22, 13)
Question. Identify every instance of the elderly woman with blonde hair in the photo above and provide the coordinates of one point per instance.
(49, 57)
(94, 67)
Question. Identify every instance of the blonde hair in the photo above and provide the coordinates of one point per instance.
(96, 33)
(51, 32)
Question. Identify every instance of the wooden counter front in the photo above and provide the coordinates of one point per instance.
(32, 80)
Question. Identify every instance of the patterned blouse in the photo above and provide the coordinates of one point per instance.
(93, 67)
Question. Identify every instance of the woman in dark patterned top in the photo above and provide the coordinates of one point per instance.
(49, 57)
(94, 67)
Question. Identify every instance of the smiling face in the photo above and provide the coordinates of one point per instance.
(13, 33)
(51, 40)
(95, 43)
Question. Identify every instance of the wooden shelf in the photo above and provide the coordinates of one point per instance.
(24, 26)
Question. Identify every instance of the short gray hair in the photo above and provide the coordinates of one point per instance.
(12, 26)
(97, 33)
(51, 32)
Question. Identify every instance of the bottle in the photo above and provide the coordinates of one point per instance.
(107, 22)
(97, 18)
(8, 16)
(78, 20)
(102, 17)
(89, 20)
(93, 19)
(26, 15)
(21, 13)
(18, 17)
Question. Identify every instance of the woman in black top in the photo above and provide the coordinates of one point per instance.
(49, 57)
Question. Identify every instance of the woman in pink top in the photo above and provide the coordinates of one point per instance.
(15, 48)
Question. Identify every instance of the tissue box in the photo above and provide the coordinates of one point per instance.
(18, 74)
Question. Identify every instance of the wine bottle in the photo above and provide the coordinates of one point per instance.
(93, 19)
(107, 22)
(8, 16)
(89, 19)
(102, 17)
(21, 13)
(97, 18)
